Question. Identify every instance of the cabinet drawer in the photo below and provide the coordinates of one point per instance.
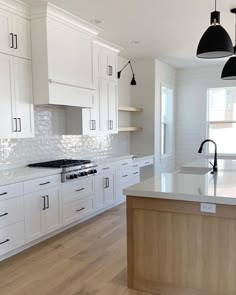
(11, 191)
(105, 168)
(123, 163)
(37, 184)
(76, 210)
(12, 237)
(124, 175)
(77, 189)
(11, 211)
(146, 162)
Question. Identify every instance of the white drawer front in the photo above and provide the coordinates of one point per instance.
(12, 237)
(37, 184)
(123, 163)
(11, 191)
(11, 211)
(124, 175)
(76, 210)
(146, 162)
(105, 168)
(75, 190)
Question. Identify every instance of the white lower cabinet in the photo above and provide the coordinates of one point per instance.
(104, 189)
(42, 212)
(12, 237)
(77, 210)
(78, 198)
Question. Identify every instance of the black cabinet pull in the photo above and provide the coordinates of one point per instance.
(19, 119)
(106, 168)
(12, 40)
(125, 175)
(5, 214)
(135, 173)
(45, 183)
(79, 190)
(107, 182)
(124, 164)
(4, 242)
(3, 194)
(110, 70)
(16, 127)
(16, 39)
(44, 203)
(80, 209)
(48, 203)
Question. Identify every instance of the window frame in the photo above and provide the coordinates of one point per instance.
(208, 123)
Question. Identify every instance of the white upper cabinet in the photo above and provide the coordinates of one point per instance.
(6, 34)
(14, 35)
(109, 107)
(105, 62)
(21, 34)
(7, 109)
(62, 53)
(16, 99)
(23, 97)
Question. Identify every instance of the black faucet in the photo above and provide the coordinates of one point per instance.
(215, 165)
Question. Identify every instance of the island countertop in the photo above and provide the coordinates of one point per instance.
(191, 185)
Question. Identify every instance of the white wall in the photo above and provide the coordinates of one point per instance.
(165, 77)
(150, 75)
(191, 108)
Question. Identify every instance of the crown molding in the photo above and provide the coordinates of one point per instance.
(108, 45)
(16, 6)
(42, 9)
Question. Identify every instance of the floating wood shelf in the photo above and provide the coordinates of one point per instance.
(129, 109)
(127, 129)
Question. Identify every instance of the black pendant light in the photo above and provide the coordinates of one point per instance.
(215, 42)
(229, 70)
(133, 81)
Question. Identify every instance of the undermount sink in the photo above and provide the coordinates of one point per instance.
(194, 170)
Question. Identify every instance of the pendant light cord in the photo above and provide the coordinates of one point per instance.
(215, 5)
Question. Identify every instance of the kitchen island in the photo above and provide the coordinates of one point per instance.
(181, 232)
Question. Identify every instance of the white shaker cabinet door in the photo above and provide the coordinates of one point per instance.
(24, 98)
(109, 185)
(52, 215)
(6, 33)
(22, 40)
(7, 109)
(104, 106)
(34, 213)
(99, 187)
(113, 108)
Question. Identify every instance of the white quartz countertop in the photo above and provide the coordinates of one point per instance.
(25, 173)
(15, 175)
(219, 188)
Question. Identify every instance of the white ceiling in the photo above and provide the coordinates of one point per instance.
(168, 30)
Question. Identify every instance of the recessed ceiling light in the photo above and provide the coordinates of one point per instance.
(135, 42)
(96, 21)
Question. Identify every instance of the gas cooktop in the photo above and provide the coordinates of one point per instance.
(61, 163)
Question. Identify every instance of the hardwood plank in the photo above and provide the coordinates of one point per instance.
(89, 259)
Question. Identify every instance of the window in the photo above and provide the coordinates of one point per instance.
(166, 121)
(221, 121)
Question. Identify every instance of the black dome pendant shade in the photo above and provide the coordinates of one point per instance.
(215, 42)
(229, 70)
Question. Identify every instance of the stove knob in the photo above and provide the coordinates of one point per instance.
(94, 171)
(75, 176)
(71, 176)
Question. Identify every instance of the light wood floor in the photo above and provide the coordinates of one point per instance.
(89, 259)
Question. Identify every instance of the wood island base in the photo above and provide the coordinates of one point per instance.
(174, 249)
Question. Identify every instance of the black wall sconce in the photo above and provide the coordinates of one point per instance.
(133, 81)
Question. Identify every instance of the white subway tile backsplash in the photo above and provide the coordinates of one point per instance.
(50, 143)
